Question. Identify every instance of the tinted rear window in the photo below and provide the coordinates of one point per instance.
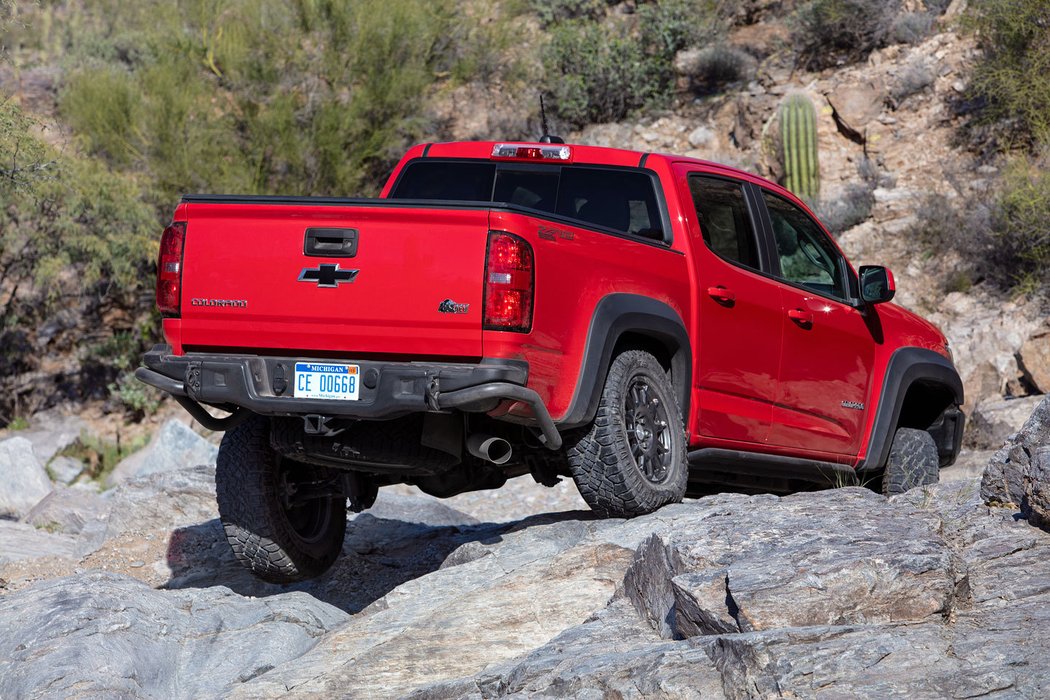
(465, 182)
(619, 200)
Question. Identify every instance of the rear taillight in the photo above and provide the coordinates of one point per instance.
(509, 284)
(169, 268)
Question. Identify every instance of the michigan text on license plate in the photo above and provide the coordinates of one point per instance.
(321, 380)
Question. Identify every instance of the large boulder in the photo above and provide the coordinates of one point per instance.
(804, 560)
(25, 481)
(1034, 359)
(1003, 483)
(175, 446)
(105, 635)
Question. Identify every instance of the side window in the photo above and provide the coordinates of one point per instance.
(807, 257)
(724, 222)
(619, 200)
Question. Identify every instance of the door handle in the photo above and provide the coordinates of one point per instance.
(721, 294)
(802, 317)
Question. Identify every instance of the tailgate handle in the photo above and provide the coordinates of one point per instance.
(330, 242)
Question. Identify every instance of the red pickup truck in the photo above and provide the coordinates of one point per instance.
(651, 325)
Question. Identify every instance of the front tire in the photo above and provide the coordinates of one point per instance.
(913, 462)
(632, 459)
(277, 539)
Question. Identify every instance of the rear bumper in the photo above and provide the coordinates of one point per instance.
(263, 385)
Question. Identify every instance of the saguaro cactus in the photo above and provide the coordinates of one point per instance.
(798, 135)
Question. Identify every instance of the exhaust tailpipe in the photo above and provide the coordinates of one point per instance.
(493, 449)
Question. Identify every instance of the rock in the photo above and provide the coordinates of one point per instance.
(994, 421)
(52, 432)
(24, 480)
(68, 510)
(1036, 503)
(542, 577)
(1003, 480)
(855, 104)
(174, 446)
(163, 501)
(611, 655)
(768, 564)
(19, 541)
(107, 635)
(65, 470)
(700, 136)
(1034, 360)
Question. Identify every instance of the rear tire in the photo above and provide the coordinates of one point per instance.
(913, 462)
(631, 461)
(275, 540)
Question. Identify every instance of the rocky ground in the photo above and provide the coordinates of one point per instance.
(132, 592)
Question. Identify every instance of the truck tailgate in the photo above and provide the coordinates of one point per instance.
(408, 280)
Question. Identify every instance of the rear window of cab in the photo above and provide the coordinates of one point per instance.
(616, 199)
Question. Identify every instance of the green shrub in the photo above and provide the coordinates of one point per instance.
(833, 32)
(1019, 254)
(911, 27)
(852, 207)
(556, 11)
(914, 77)
(602, 71)
(1004, 243)
(719, 65)
(1010, 87)
(311, 97)
(602, 75)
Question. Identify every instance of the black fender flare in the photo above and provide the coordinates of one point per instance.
(615, 315)
(907, 366)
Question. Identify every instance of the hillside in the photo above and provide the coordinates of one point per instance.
(114, 109)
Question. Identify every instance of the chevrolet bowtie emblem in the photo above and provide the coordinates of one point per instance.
(327, 275)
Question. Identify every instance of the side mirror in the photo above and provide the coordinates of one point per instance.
(876, 284)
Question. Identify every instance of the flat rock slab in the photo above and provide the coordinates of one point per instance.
(104, 635)
(531, 584)
(19, 541)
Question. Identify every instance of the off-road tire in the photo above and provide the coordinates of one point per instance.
(601, 461)
(259, 528)
(913, 462)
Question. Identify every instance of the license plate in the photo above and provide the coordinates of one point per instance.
(320, 380)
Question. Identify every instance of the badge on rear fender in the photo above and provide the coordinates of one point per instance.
(450, 307)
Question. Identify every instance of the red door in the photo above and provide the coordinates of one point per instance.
(740, 316)
(828, 348)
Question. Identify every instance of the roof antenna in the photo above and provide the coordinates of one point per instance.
(547, 138)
